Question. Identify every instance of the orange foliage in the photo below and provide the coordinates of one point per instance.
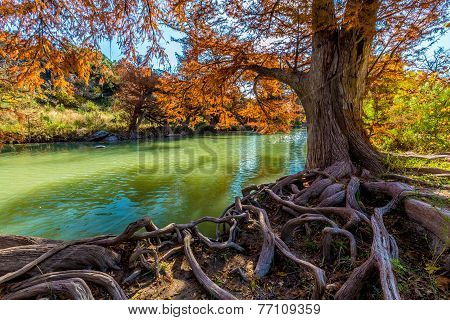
(59, 37)
(228, 44)
(274, 108)
(26, 69)
(233, 43)
(135, 95)
(207, 95)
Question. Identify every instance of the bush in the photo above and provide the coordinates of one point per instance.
(411, 114)
(89, 106)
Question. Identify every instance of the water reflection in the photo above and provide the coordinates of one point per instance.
(69, 191)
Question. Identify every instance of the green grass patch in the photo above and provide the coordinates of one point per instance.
(411, 167)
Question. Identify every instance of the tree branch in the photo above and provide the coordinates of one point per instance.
(294, 79)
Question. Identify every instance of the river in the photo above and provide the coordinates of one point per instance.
(75, 190)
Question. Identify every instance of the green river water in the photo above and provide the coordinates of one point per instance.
(74, 190)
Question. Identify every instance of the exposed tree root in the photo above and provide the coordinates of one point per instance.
(74, 288)
(201, 276)
(435, 220)
(330, 191)
(16, 261)
(266, 258)
(16, 241)
(433, 171)
(327, 241)
(343, 209)
(99, 278)
(290, 226)
(445, 156)
(334, 200)
(313, 191)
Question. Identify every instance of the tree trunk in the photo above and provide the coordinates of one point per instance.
(335, 86)
(135, 121)
(331, 91)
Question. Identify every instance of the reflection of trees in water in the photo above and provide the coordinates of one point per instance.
(247, 163)
(204, 195)
(297, 152)
(103, 191)
(81, 206)
(263, 158)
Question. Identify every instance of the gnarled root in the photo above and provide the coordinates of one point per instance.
(99, 278)
(384, 246)
(202, 278)
(435, 220)
(266, 258)
(327, 241)
(64, 264)
(73, 288)
(333, 199)
(290, 226)
(381, 255)
(16, 261)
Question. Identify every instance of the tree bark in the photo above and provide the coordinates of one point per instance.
(331, 92)
(133, 126)
(336, 85)
(135, 121)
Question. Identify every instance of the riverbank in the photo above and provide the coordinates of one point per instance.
(55, 125)
(30, 121)
(105, 139)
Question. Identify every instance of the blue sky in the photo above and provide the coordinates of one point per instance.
(113, 52)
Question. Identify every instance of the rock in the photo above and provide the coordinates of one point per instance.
(111, 138)
(99, 135)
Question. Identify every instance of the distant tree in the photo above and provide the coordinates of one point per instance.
(381, 91)
(406, 109)
(63, 36)
(189, 104)
(135, 95)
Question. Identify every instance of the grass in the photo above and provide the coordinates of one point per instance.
(310, 245)
(52, 115)
(163, 267)
(410, 166)
(396, 163)
(399, 267)
(47, 124)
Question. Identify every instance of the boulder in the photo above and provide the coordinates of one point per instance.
(111, 138)
(99, 135)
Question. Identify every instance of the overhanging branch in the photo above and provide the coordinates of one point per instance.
(293, 79)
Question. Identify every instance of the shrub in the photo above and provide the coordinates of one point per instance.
(411, 114)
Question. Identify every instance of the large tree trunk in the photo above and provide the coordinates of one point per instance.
(333, 97)
(331, 91)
